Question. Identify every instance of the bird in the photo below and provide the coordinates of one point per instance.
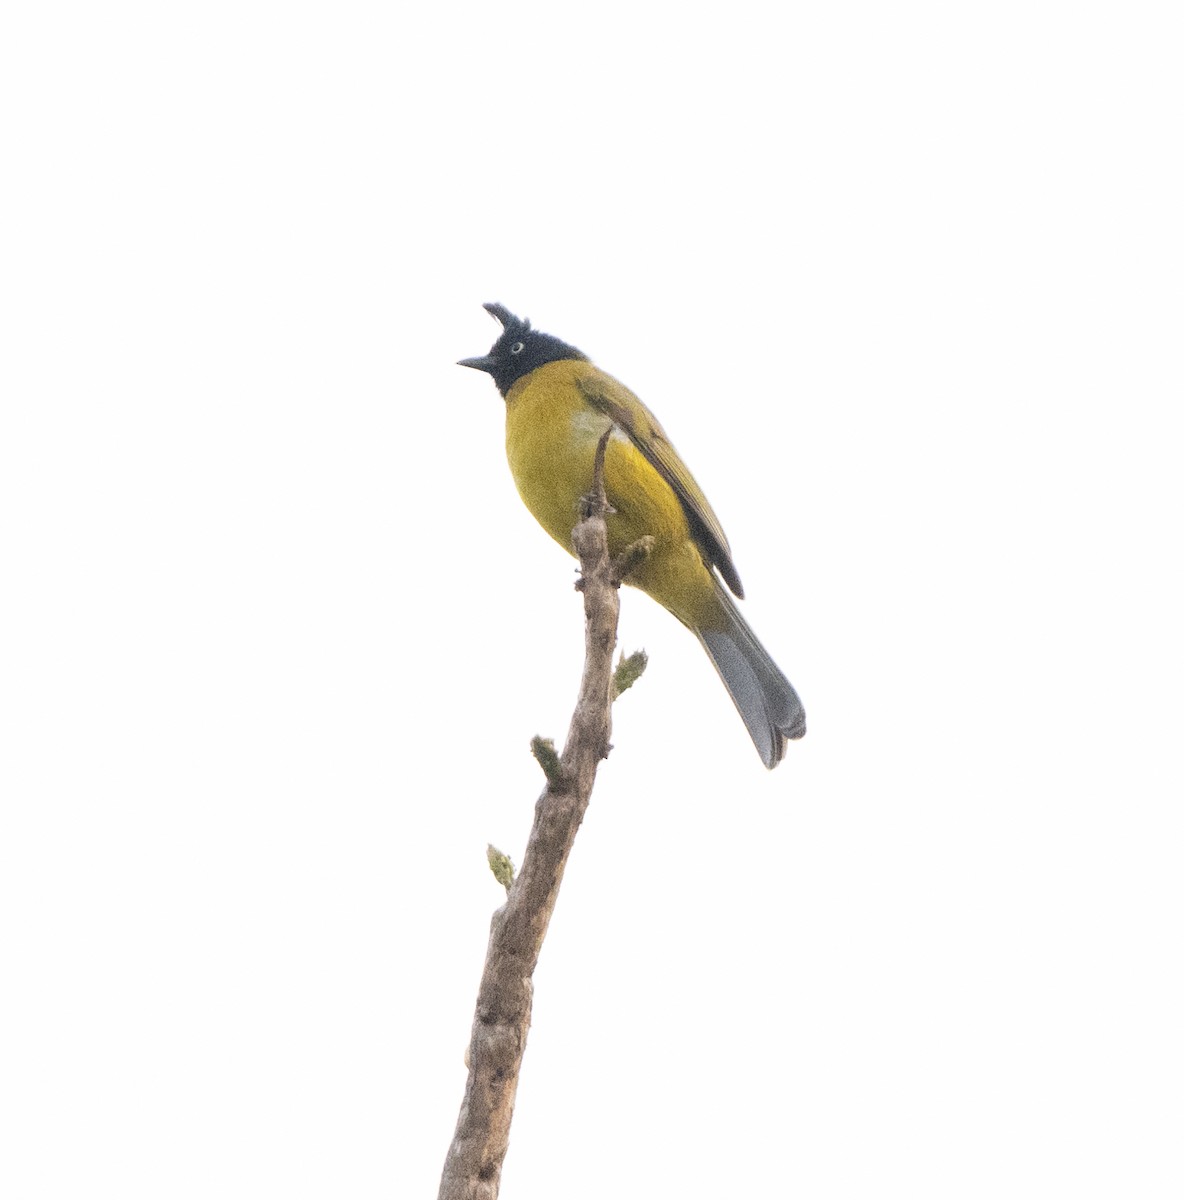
(558, 407)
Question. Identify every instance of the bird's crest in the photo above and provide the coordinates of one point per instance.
(509, 322)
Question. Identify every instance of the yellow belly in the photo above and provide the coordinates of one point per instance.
(551, 439)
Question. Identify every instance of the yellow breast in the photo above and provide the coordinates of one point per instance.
(551, 437)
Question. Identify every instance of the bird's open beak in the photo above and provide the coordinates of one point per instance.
(484, 362)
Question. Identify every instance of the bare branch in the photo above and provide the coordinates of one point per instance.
(472, 1170)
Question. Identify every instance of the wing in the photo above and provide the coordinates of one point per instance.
(628, 413)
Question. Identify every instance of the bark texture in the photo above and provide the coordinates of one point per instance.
(472, 1170)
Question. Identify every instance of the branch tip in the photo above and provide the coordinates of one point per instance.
(501, 865)
(632, 557)
(595, 503)
(629, 670)
(546, 756)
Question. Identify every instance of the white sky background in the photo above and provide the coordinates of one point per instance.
(903, 283)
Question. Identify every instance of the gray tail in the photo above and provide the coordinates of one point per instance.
(763, 696)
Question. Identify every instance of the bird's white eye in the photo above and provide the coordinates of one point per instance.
(517, 348)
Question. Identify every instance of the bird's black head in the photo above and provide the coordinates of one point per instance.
(519, 350)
